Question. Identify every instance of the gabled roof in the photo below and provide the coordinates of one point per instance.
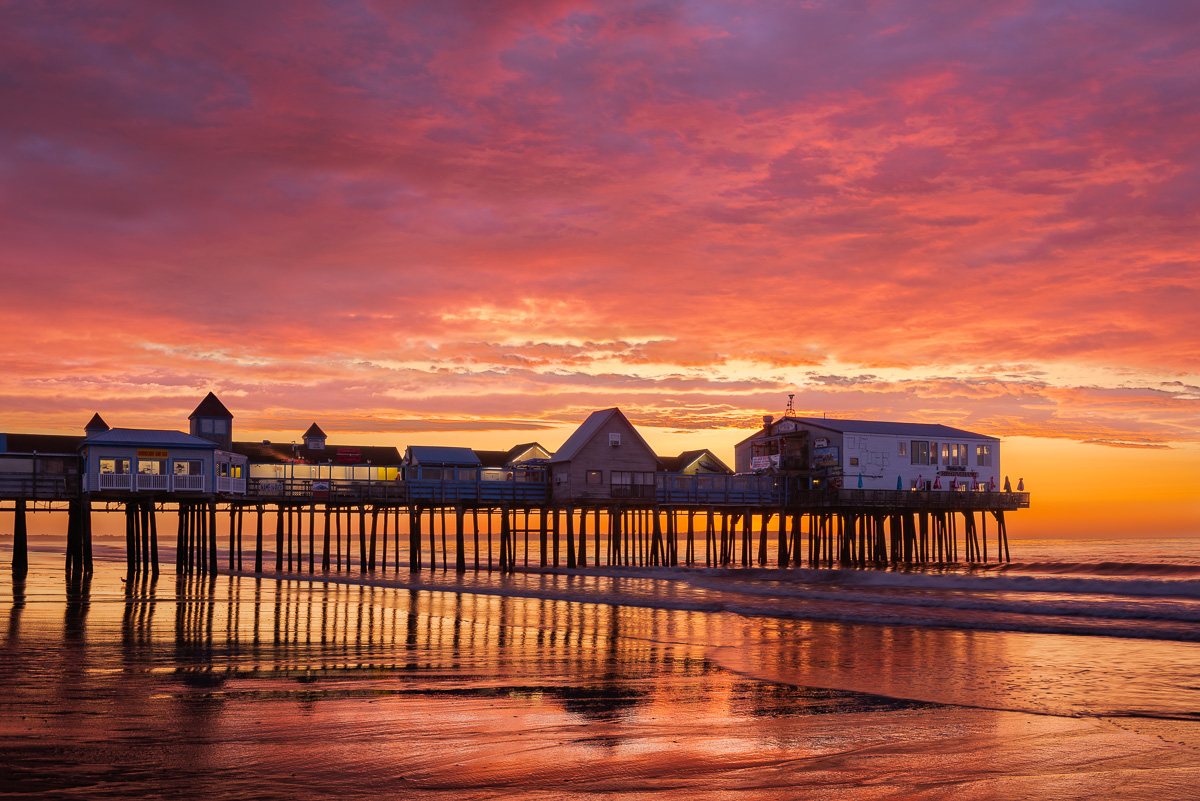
(439, 456)
(517, 450)
(284, 452)
(588, 429)
(97, 422)
(314, 431)
(211, 406)
(898, 429)
(137, 437)
(708, 459)
(505, 458)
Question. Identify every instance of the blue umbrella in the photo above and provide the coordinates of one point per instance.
(899, 483)
(860, 480)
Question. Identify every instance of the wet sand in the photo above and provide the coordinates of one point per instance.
(240, 687)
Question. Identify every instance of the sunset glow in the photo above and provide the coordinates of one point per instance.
(474, 225)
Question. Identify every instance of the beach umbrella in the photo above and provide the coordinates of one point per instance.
(899, 483)
(993, 487)
(1007, 485)
(1020, 485)
(921, 481)
(860, 480)
(954, 483)
(937, 482)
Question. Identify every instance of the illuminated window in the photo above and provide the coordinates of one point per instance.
(904, 449)
(119, 466)
(983, 455)
(919, 454)
(595, 476)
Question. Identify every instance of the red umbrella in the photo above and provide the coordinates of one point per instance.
(921, 481)
(993, 483)
(937, 482)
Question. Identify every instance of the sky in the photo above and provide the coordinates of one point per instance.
(472, 223)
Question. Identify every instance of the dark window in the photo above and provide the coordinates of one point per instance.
(595, 476)
(919, 452)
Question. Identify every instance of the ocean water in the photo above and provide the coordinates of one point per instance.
(1072, 672)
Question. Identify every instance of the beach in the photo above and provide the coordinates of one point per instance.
(630, 683)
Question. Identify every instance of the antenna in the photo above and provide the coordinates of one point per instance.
(791, 407)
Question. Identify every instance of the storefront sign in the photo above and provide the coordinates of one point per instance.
(151, 453)
(821, 442)
(763, 462)
(349, 455)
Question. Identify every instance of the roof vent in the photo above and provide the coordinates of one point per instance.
(768, 419)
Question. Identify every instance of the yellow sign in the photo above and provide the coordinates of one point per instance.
(150, 453)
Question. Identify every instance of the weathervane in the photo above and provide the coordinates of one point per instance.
(791, 407)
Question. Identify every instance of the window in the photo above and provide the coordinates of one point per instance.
(118, 466)
(983, 455)
(595, 477)
(903, 449)
(933, 450)
(152, 467)
(188, 467)
(219, 426)
(626, 484)
(853, 460)
(919, 454)
(614, 439)
(206, 426)
(946, 453)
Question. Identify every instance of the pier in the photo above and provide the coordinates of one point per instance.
(421, 523)
(604, 499)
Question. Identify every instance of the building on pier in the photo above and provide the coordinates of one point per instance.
(605, 458)
(152, 460)
(881, 455)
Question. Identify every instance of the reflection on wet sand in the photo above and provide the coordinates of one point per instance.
(251, 687)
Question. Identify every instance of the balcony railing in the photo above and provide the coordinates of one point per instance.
(233, 486)
(143, 482)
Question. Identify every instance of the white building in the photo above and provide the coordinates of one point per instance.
(885, 455)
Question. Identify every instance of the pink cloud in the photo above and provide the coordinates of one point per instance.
(371, 214)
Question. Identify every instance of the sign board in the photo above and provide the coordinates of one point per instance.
(825, 457)
(320, 489)
(763, 462)
(786, 427)
(349, 455)
(821, 442)
(959, 472)
(955, 468)
(151, 453)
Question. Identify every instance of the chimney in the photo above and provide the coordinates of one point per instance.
(768, 419)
